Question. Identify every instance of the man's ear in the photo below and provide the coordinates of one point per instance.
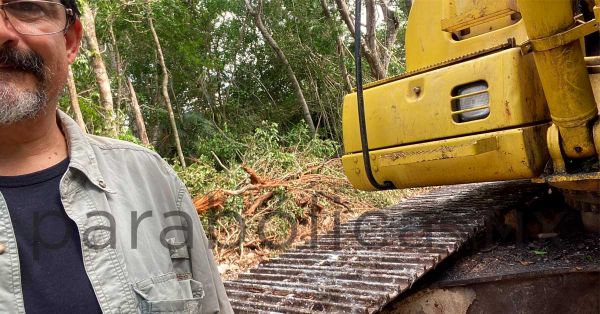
(73, 40)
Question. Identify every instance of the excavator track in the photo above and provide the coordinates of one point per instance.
(367, 262)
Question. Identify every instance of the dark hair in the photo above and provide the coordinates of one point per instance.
(71, 4)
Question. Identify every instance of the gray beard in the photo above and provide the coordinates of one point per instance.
(16, 106)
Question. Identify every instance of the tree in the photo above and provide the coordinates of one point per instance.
(257, 14)
(165, 86)
(339, 48)
(102, 79)
(75, 100)
(377, 53)
(203, 79)
(137, 113)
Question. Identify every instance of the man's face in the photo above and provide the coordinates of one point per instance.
(33, 70)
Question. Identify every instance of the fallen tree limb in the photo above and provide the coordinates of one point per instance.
(259, 201)
(254, 178)
(303, 187)
(213, 200)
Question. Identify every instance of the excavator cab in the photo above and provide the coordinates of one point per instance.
(494, 90)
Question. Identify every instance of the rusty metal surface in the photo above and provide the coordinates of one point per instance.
(363, 264)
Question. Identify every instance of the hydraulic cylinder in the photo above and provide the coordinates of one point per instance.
(563, 74)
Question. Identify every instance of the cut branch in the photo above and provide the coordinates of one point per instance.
(254, 178)
(259, 201)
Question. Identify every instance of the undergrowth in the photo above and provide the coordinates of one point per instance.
(302, 184)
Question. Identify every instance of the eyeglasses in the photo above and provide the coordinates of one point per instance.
(37, 17)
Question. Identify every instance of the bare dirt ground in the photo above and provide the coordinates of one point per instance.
(576, 251)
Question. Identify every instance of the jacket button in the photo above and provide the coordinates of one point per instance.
(2, 248)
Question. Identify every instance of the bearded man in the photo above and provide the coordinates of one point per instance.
(87, 224)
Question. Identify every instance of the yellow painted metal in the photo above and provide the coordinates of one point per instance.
(596, 132)
(518, 153)
(595, 80)
(464, 15)
(414, 136)
(509, 44)
(577, 182)
(592, 61)
(564, 75)
(553, 141)
(396, 115)
(583, 181)
(566, 37)
(428, 43)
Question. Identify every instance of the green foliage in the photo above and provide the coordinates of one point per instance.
(300, 137)
(223, 76)
(219, 144)
(202, 177)
(232, 99)
(273, 155)
(130, 138)
(265, 151)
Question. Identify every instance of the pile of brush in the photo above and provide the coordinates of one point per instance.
(277, 212)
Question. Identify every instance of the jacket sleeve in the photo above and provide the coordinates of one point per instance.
(203, 266)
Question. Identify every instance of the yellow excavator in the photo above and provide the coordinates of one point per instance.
(494, 90)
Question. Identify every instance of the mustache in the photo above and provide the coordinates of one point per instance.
(27, 61)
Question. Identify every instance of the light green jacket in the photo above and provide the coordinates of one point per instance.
(143, 247)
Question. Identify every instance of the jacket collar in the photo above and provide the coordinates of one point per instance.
(81, 154)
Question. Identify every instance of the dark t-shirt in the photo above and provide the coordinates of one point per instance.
(52, 272)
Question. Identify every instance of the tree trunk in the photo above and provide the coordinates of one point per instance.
(99, 68)
(75, 100)
(203, 86)
(342, 65)
(377, 55)
(339, 47)
(118, 64)
(392, 28)
(165, 87)
(137, 113)
(281, 56)
(134, 105)
(371, 38)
